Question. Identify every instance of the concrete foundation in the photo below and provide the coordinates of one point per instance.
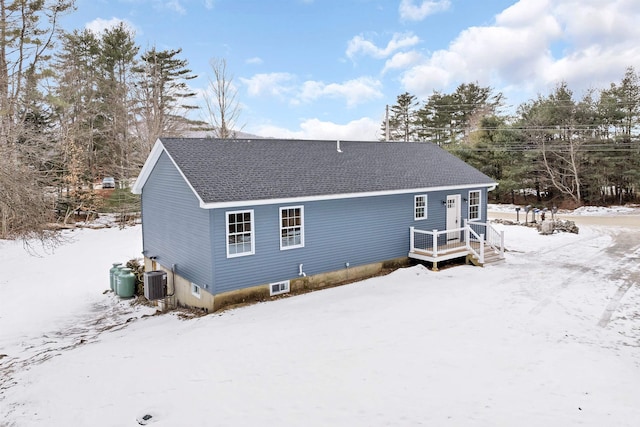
(182, 296)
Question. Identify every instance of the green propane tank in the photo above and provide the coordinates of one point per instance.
(126, 283)
(116, 278)
(112, 275)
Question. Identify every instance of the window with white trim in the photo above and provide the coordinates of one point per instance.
(279, 288)
(474, 205)
(420, 207)
(195, 290)
(240, 233)
(292, 227)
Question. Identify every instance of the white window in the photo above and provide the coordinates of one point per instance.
(420, 207)
(279, 288)
(195, 290)
(474, 205)
(240, 233)
(292, 227)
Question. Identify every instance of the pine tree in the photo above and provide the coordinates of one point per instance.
(402, 119)
(162, 95)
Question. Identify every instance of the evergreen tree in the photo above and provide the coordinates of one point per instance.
(402, 121)
(436, 119)
(472, 103)
(117, 59)
(619, 114)
(450, 118)
(162, 96)
(78, 104)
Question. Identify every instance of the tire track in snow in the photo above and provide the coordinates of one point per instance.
(627, 248)
(614, 303)
(593, 261)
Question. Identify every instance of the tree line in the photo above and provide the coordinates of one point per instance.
(78, 106)
(555, 147)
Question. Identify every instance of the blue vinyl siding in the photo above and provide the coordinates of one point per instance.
(358, 231)
(174, 228)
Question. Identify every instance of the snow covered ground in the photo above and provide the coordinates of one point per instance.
(584, 210)
(549, 337)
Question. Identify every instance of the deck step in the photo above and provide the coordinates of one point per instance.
(490, 257)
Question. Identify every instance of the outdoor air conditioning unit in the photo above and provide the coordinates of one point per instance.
(155, 284)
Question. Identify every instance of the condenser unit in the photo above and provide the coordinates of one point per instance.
(155, 284)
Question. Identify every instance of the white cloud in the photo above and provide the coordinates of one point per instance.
(209, 4)
(402, 60)
(173, 5)
(274, 84)
(99, 25)
(410, 11)
(363, 129)
(599, 22)
(422, 80)
(360, 45)
(254, 61)
(536, 44)
(283, 85)
(355, 91)
(522, 13)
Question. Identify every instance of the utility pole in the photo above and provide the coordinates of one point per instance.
(386, 124)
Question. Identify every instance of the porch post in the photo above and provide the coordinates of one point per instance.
(435, 243)
(411, 239)
(467, 243)
(481, 260)
(502, 243)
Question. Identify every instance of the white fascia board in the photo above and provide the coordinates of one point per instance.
(282, 201)
(156, 151)
(148, 166)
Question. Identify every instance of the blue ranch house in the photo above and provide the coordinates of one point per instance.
(236, 220)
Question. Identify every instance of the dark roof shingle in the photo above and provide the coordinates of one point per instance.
(260, 169)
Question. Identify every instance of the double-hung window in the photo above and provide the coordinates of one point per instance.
(240, 233)
(474, 205)
(291, 227)
(420, 207)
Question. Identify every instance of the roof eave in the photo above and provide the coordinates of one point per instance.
(155, 154)
(148, 166)
(287, 200)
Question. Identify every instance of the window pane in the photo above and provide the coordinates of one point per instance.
(239, 233)
(474, 205)
(291, 227)
(420, 207)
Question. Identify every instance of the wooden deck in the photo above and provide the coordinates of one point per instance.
(437, 246)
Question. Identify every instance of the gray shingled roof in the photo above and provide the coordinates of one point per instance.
(259, 169)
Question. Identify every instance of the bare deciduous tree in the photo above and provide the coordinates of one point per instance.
(221, 100)
(27, 31)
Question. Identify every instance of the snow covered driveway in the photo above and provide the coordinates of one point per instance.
(549, 337)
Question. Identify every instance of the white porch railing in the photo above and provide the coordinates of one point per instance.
(437, 242)
(492, 237)
(454, 243)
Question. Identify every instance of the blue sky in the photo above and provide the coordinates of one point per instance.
(327, 68)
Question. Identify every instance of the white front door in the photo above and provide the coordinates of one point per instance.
(453, 217)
